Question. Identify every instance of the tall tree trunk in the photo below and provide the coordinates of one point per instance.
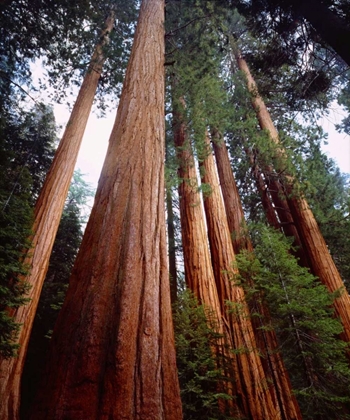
(322, 264)
(261, 401)
(47, 215)
(233, 205)
(198, 267)
(112, 353)
(266, 338)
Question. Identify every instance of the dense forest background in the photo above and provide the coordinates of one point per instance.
(256, 214)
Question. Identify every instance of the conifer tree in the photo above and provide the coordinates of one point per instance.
(265, 336)
(112, 353)
(47, 214)
(306, 328)
(313, 242)
(199, 273)
(259, 400)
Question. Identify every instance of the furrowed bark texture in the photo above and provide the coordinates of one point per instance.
(321, 262)
(259, 398)
(198, 267)
(265, 338)
(112, 353)
(232, 201)
(47, 215)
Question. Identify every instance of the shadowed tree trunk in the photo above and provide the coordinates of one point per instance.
(266, 338)
(321, 262)
(233, 206)
(112, 353)
(47, 215)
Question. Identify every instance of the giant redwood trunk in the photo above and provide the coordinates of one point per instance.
(265, 337)
(47, 215)
(321, 262)
(199, 274)
(232, 201)
(261, 399)
(112, 353)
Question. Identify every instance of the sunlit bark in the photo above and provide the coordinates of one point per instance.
(48, 212)
(266, 339)
(199, 274)
(112, 353)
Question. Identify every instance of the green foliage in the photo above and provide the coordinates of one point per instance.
(303, 320)
(344, 100)
(65, 249)
(15, 224)
(199, 375)
(26, 143)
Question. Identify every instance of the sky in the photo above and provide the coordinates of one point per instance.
(95, 141)
(338, 147)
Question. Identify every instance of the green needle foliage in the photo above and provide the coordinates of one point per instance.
(199, 375)
(303, 319)
(15, 222)
(26, 149)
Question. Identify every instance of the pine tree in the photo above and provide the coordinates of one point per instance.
(27, 140)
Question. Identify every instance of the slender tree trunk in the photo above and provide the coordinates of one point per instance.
(266, 338)
(47, 215)
(321, 262)
(112, 353)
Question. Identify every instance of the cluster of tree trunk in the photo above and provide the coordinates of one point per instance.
(294, 211)
(112, 354)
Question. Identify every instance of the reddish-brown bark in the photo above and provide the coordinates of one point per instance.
(261, 399)
(198, 269)
(48, 211)
(233, 205)
(199, 274)
(266, 338)
(112, 353)
(321, 262)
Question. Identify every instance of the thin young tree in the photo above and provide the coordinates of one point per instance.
(112, 353)
(47, 215)
(321, 262)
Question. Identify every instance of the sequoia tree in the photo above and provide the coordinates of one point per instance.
(47, 215)
(259, 400)
(112, 353)
(199, 273)
(321, 262)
